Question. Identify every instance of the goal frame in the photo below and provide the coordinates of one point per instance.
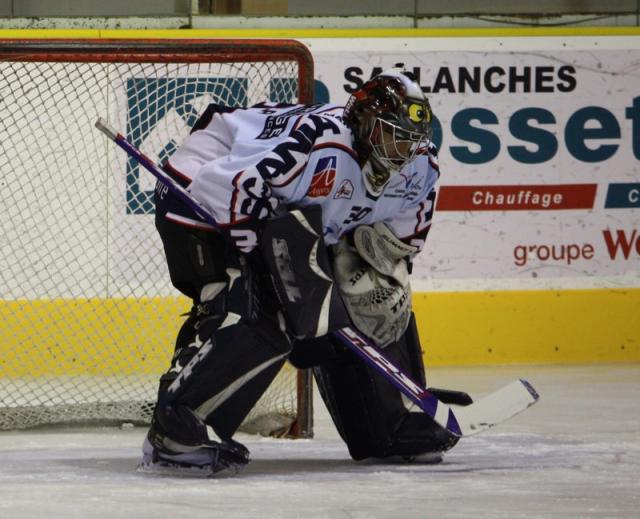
(141, 50)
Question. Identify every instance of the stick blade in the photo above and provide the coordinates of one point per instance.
(496, 407)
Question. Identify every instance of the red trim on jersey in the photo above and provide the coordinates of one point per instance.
(233, 220)
(330, 110)
(419, 213)
(292, 177)
(234, 223)
(177, 173)
(425, 151)
(349, 151)
(188, 222)
(417, 235)
(434, 165)
(296, 124)
(234, 197)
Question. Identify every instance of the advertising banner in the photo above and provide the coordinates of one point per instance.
(539, 148)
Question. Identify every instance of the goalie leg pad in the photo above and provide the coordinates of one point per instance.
(372, 417)
(202, 403)
(217, 379)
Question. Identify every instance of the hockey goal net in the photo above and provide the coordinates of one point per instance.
(88, 316)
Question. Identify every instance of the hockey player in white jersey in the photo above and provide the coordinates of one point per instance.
(363, 176)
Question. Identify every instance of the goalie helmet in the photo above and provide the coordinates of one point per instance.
(391, 120)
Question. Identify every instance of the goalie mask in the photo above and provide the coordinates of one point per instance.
(391, 120)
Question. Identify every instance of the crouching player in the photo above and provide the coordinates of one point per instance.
(324, 207)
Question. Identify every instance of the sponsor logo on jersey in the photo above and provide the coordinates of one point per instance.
(323, 177)
(345, 190)
(415, 185)
(409, 187)
(274, 125)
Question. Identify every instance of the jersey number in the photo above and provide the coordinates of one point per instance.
(357, 214)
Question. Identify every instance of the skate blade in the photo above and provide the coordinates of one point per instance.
(427, 458)
(163, 468)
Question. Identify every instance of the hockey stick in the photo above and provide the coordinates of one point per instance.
(459, 421)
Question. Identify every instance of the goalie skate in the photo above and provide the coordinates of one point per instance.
(204, 461)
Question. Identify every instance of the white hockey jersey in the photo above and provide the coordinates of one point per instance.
(256, 162)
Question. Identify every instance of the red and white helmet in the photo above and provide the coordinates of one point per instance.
(391, 120)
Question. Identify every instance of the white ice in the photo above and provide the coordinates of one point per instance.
(576, 454)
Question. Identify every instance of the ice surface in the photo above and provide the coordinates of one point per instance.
(576, 454)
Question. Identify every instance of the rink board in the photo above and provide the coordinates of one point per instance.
(584, 321)
(456, 328)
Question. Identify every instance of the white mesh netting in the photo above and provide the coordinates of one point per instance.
(87, 313)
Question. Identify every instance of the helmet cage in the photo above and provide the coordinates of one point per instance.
(392, 121)
(394, 146)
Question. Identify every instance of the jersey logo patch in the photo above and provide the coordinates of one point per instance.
(323, 177)
(274, 125)
(345, 190)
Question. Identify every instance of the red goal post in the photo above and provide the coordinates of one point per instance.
(87, 312)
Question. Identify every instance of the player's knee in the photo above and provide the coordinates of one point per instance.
(309, 353)
(371, 415)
